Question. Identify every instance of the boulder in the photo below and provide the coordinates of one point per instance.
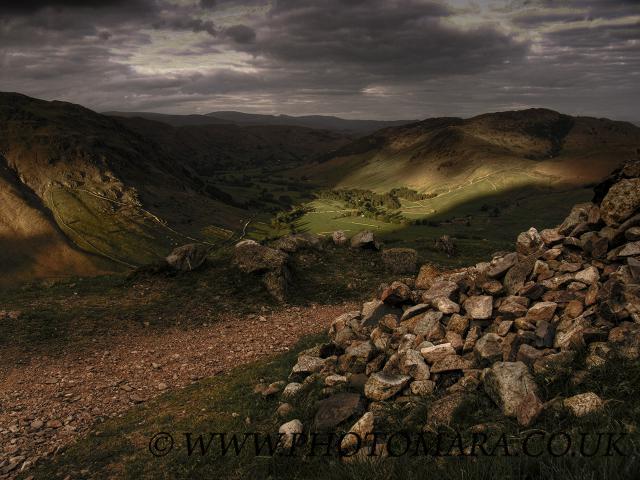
(517, 275)
(440, 288)
(508, 384)
(442, 410)
(188, 257)
(382, 386)
(451, 363)
(541, 312)
(630, 249)
(365, 239)
(396, 294)
(339, 238)
(291, 432)
(298, 241)
(579, 214)
(479, 307)
(488, 349)
(458, 324)
(305, 366)
(446, 306)
(583, 404)
(400, 260)
(277, 283)
(291, 390)
(435, 353)
(362, 430)
(374, 311)
(356, 356)
(528, 242)
(336, 409)
(252, 257)
(622, 201)
(555, 364)
(426, 276)
(414, 311)
(412, 363)
(551, 236)
(422, 388)
(500, 265)
(529, 410)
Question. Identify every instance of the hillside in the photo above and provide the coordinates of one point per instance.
(320, 122)
(78, 185)
(468, 178)
(102, 193)
(532, 146)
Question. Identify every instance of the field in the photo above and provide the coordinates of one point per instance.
(482, 218)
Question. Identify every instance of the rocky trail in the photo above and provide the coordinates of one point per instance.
(48, 402)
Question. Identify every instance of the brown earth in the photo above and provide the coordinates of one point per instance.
(48, 402)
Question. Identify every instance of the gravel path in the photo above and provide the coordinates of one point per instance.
(47, 402)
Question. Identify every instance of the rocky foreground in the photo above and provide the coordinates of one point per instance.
(566, 290)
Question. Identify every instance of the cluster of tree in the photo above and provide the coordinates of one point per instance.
(286, 220)
(425, 221)
(362, 199)
(409, 194)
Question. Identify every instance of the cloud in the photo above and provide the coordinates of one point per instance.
(356, 58)
(177, 22)
(240, 33)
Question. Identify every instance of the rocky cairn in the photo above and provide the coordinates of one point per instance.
(493, 327)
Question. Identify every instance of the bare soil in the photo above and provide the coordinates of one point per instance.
(47, 402)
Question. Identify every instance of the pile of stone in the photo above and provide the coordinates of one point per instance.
(493, 327)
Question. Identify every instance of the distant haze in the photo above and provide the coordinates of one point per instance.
(373, 59)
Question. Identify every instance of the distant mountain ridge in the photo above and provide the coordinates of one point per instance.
(323, 122)
(438, 153)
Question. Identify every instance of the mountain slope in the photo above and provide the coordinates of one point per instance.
(210, 149)
(173, 120)
(312, 121)
(124, 190)
(321, 122)
(31, 244)
(529, 146)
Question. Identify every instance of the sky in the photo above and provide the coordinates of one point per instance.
(377, 59)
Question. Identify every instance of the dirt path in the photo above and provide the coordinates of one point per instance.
(46, 403)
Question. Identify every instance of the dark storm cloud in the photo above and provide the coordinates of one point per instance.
(375, 58)
(379, 38)
(178, 22)
(29, 6)
(240, 33)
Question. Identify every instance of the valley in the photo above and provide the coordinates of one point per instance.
(121, 191)
(96, 317)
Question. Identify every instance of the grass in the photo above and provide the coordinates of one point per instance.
(477, 230)
(71, 312)
(119, 447)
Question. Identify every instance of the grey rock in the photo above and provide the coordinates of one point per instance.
(508, 384)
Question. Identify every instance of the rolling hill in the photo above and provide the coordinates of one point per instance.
(322, 122)
(535, 146)
(84, 192)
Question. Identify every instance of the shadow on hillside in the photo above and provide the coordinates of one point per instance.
(486, 223)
